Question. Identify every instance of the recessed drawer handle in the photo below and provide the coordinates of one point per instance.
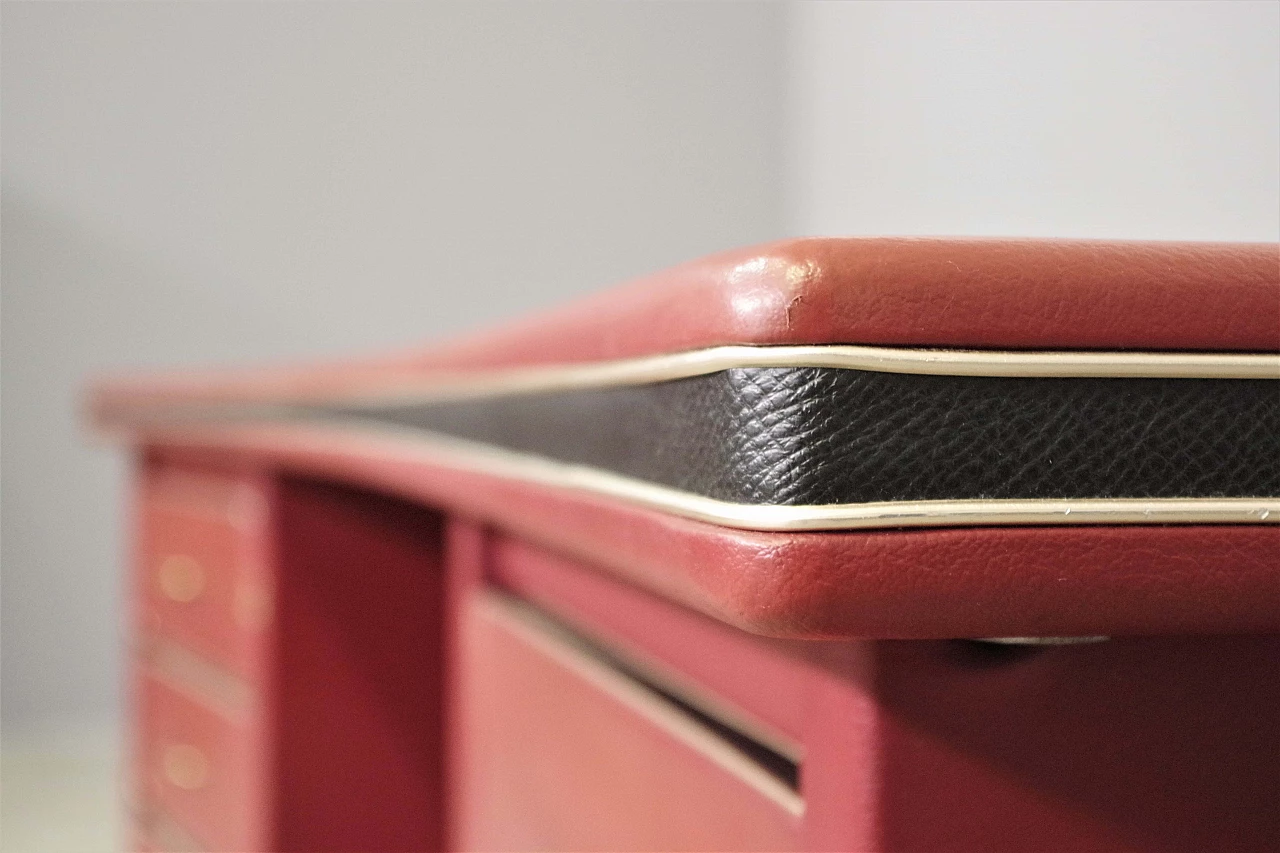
(185, 766)
(181, 578)
(715, 723)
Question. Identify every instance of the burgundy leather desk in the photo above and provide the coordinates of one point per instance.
(700, 564)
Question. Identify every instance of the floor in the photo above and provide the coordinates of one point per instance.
(60, 788)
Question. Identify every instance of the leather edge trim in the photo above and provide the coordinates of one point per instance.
(121, 405)
(931, 362)
(460, 454)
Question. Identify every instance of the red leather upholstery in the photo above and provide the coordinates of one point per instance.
(973, 582)
(404, 694)
(925, 292)
(980, 293)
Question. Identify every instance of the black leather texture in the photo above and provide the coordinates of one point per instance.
(831, 436)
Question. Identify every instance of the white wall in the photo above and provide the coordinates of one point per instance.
(192, 183)
(1111, 119)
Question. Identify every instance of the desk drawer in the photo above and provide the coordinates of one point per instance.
(563, 752)
(204, 768)
(204, 568)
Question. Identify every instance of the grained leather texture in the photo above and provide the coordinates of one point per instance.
(832, 436)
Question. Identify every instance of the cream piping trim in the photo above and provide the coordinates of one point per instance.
(402, 443)
(461, 385)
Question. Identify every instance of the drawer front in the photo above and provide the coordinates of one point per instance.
(205, 770)
(206, 581)
(562, 753)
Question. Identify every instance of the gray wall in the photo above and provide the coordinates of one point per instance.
(1087, 119)
(197, 183)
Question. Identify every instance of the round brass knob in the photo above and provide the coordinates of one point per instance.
(181, 578)
(185, 766)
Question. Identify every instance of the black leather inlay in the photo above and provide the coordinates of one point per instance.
(827, 435)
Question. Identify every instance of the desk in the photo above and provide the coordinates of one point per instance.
(713, 561)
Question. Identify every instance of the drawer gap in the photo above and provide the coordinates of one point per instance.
(775, 760)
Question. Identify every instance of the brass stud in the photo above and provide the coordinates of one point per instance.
(185, 767)
(181, 578)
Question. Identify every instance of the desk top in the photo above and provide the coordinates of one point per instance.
(842, 437)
